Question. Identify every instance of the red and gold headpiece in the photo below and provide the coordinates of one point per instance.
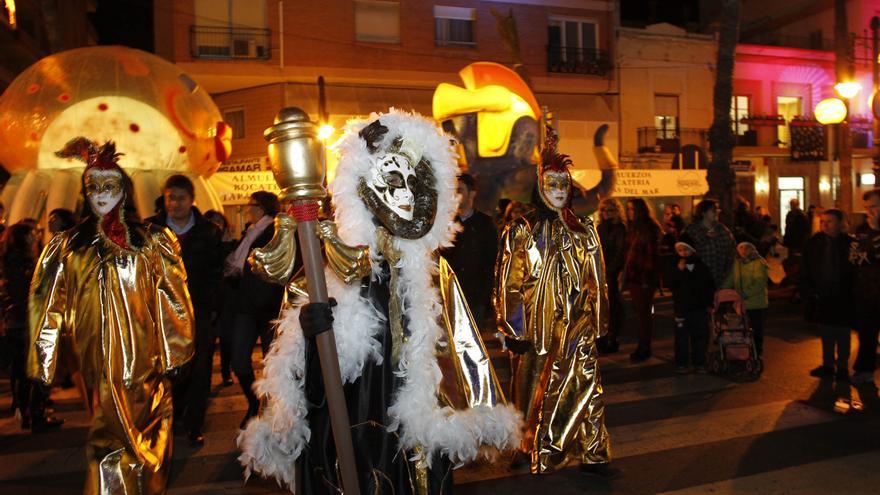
(551, 159)
(102, 157)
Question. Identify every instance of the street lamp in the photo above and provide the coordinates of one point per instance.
(830, 111)
(848, 89)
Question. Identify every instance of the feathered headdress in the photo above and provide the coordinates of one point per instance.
(102, 157)
(551, 159)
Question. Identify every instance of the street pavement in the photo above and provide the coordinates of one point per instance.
(785, 433)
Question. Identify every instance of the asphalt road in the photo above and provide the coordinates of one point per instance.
(784, 433)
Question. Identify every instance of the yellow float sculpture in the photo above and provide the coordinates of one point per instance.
(159, 118)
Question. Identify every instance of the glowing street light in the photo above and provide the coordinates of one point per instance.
(830, 111)
(848, 89)
(325, 131)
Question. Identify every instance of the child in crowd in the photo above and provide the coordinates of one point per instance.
(749, 277)
(693, 294)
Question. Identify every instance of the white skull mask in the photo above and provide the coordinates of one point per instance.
(103, 190)
(556, 187)
(392, 179)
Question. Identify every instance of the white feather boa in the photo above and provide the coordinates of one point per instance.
(272, 442)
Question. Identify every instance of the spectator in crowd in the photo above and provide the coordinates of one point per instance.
(692, 296)
(498, 214)
(749, 277)
(826, 286)
(61, 219)
(472, 258)
(865, 256)
(18, 259)
(671, 210)
(641, 269)
(225, 300)
(200, 249)
(713, 241)
(514, 210)
(797, 228)
(612, 235)
(747, 227)
(673, 227)
(763, 215)
(257, 302)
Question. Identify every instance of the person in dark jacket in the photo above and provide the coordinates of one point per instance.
(692, 295)
(797, 228)
(201, 251)
(865, 257)
(641, 269)
(826, 285)
(257, 302)
(225, 300)
(472, 258)
(612, 235)
(18, 259)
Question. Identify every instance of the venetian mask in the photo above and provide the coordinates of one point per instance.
(399, 190)
(392, 178)
(555, 189)
(103, 190)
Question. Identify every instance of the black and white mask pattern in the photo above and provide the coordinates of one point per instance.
(400, 190)
(393, 177)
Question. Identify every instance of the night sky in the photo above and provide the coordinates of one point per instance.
(124, 22)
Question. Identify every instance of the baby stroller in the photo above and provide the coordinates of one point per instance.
(734, 350)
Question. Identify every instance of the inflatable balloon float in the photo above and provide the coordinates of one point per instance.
(160, 119)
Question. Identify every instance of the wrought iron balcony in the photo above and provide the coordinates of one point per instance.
(574, 60)
(219, 42)
(670, 140)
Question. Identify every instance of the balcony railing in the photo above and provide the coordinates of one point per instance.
(771, 38)
(574, 60)
(654, 140)
(218, 42)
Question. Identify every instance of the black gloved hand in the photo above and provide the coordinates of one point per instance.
(316, 318)
(518, 346)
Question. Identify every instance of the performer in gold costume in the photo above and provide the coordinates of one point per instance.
(551, 304)
(117, 290)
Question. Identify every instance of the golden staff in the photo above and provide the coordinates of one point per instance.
(297, 158)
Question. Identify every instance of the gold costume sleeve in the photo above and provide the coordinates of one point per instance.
(174, 308)
(469, 379)
(47, 310)
(349, 263)
(510, 273)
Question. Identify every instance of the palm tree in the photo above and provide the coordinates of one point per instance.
(721, 178)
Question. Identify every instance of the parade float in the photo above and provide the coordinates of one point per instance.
(160, 119)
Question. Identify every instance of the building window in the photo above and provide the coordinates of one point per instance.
(454, 25)
(739, 109)
(788, 107)
(230, 29)
(377, 21)
(235, 118)
(666, 116)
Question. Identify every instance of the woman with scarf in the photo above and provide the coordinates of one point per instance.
(256, 301)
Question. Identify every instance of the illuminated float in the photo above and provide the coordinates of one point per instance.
(496, 119)
(160, 119)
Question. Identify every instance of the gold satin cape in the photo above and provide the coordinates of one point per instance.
(550, 292)
(129, 317)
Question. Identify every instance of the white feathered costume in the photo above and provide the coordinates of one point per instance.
(425, 429)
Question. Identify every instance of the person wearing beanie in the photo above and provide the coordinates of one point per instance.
(749, 277)
(692, 296)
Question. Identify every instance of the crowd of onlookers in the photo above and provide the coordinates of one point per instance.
(835, 273)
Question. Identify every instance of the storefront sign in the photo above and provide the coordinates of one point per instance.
(237, 179)
(660, 183)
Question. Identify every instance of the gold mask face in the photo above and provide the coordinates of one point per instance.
(556, 187)
(103, 190)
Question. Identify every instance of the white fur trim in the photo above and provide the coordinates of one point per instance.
(271, 443)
